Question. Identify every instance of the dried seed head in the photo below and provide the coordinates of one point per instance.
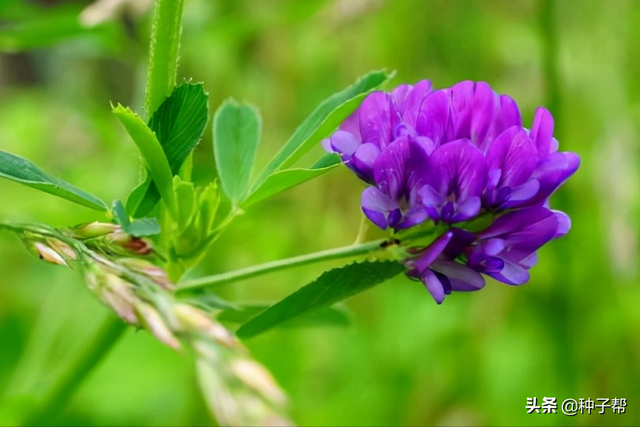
(48, 254)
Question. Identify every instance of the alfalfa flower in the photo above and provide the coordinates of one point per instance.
(450, 156)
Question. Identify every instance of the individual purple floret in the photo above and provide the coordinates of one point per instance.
(437, 268)
(506, 250)
(525, 166)
(449, 156)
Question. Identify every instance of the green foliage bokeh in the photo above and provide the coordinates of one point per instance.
(572, 332)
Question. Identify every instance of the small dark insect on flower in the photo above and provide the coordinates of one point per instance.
(389, 243)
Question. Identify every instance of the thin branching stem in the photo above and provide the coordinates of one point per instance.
(258, 270)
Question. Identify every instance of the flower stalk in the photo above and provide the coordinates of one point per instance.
(369, 248)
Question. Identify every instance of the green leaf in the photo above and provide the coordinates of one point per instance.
(330, 316)
(208, 203)
(135, 203)
(283, 180)
(186, 200)
(137, 228)
(332, 286)
(144, 227)
(236, 134)
(322, 121)
(178, 123)
(21, 170)
(152, 153)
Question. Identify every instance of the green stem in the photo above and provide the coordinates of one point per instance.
(257, 270)
(62, 392)
(163, 54)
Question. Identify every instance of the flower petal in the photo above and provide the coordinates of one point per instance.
(389, 168)
(553, 171)
(522, 194)
(564, 223)
(467, 209)
(400, 93)
(529, 261)
(434, 118)
(485, 105)
(414, 216)
(492, 246)
(542, 131)
(352, 125)
(457, 168)
(434, 286)
(401, 167)
(433, 251)
(507, 116)
(512, 274)
(344, 143)
(515, 155)
(461, 106)
(515, 221)
(524, 231)
(460, 241)
(461, 277)
(378, 119)
(363, 160)
(410, 105)
(474, 107)
(326, 144)
(379, 208)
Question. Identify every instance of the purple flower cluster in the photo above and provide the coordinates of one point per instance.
(449, 156)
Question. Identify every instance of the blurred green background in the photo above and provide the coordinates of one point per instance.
(572, 332)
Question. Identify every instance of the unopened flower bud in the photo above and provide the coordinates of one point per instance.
(48, 254)
(95, 229)
(119, 237)
(153, 272)
(150, 317)
(132, 244)
(118, 295)
(190, 319)
(257, 377)
(62, 248)
(114, 292)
